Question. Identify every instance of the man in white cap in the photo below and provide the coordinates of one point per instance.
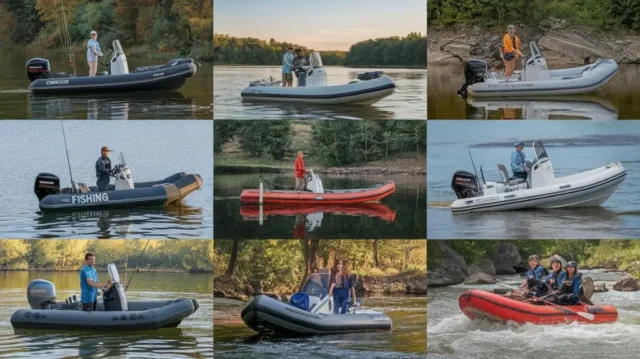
(93, 52)
(518, 162)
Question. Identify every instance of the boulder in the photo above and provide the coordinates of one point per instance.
(480, 278)
(579, 52)
(473, 269)
(505, 258)
(626, 285)
(487, 267)
(442, 58)
(451, 268)
(600, 287)
(442, 278)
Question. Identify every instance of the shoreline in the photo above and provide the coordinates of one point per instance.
(128, 270)
(368, 170)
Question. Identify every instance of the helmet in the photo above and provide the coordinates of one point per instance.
(573, 264)
(555, 259)
(533, 256)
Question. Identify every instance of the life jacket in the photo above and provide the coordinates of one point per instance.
(567, 285)
(555, 276)
(532, 281)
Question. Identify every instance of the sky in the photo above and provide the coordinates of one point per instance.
(320, 24)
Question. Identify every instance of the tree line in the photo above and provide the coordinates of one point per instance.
(332, 143)
(600, 14)
(159, 26)
(392, 51)
(284, 265)
(63, 254)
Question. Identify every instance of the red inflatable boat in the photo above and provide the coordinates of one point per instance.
(480, 304)
(346, 196)
(379, 210)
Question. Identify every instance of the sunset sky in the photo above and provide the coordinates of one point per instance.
(322, 24)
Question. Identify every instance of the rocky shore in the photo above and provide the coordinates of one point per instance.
(562, 45)
(506, 259)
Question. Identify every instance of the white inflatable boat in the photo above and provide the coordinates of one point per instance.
(370, 88)
(541, 189)
(536, 79)
(543, 108)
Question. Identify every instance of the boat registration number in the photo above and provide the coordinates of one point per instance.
(58, 82)
(511, 85)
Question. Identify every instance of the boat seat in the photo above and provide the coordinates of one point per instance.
(510, 181)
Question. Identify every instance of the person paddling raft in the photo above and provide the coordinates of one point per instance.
(551, 281)
(534, 276)
(570, 283)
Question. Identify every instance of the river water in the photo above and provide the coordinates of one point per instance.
(618, 99)
(573, 146)
(408, 102)
(153, 149)
(191, 339)
(192, 101)
(407, 339)
(401, 215)
(452, 335)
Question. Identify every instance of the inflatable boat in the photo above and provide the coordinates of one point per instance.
(536, 79)
(167, 77)
(370, 88)
(541, 189)
(543, 108)
(379, 210)
(114, 312)
(315, 315)
(479, 304)
(123, 194)
(316, 194)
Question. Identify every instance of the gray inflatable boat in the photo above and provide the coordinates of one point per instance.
(114, 312)
(267, 315)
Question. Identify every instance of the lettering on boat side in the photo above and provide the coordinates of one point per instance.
(486, 199)
(512, 85)
(158, 74)
(319, 197)
(57, 82)
(90, 198)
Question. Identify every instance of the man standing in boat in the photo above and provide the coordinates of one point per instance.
(511, 47)
(299, 171)
(93, 52)
(89, 283)
(518, 162)
(103, 169)
(287, 66)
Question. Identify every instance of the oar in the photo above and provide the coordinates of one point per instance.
(585, 315)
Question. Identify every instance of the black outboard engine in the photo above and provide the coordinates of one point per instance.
(41, 294)
(474, 72)
(37, 68)
(465, 184)
(46, 184)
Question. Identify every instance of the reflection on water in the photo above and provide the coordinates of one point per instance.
(407, 103)
(619, 98)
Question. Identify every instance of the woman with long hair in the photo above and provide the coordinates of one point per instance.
(341, 285)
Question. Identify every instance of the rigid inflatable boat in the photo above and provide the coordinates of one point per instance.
(479, 304)
(316, 194)
(123, 194)
(379, 210)
(370, 88)
(541, 189)
(113, 312)
(265, 314)
(168, 77)
(536, 79)
(542, 108)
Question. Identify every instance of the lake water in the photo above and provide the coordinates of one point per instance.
(192, 101)
(153, 149)
(401, 215)
(452, 335)
(233, 339)
(618, 99)
(573, 146)
(408, 102)
(191, 339)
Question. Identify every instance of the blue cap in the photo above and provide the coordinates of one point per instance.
(519, 144)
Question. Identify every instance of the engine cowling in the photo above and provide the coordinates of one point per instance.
(37, 68)
(464, 184)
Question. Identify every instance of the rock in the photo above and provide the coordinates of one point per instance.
(415, 288)
(487, 267)
(451, 269)
(600, 287)
(505, 258)
(626, 285)
(442, 58)
(462, 50)
(473, 269)
(477, 51)
(494, 38)
(479, 278)
(579, 53)
(442, 278)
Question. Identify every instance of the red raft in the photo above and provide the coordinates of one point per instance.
(480, 304)
(346, 196)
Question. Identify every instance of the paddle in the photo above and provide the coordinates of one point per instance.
(585, 315)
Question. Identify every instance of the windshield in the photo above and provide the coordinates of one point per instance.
(116, 47)
(539, 150)
(535, 52)
(317, 284)
(121, 159)
(316, 60)
(113, 273)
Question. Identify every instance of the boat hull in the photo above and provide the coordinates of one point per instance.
(354, 196)
(358, 93)
(479, 304)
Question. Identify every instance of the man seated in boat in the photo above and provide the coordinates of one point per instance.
(287, 64)
(534, 276)
(518, 162)
(103, 169)
(300, 171)
(89, 283)
(548, 287)
(570, 283)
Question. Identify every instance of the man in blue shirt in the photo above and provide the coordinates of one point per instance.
(518, 162)
(534, 275)
(93, 52)
(287, 66)
(89, 283)
(103, 169)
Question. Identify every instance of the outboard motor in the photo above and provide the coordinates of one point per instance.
(46, 184)
(41, 294)
(115, 298)
(37, 68)
(474, 72)
(465, 184)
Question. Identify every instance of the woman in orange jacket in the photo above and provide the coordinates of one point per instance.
(299, 170)
(511, 48)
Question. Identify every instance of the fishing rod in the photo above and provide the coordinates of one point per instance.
(474, 170)
(73, 184)
(137, 265)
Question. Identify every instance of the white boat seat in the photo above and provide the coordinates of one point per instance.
(510, 181)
